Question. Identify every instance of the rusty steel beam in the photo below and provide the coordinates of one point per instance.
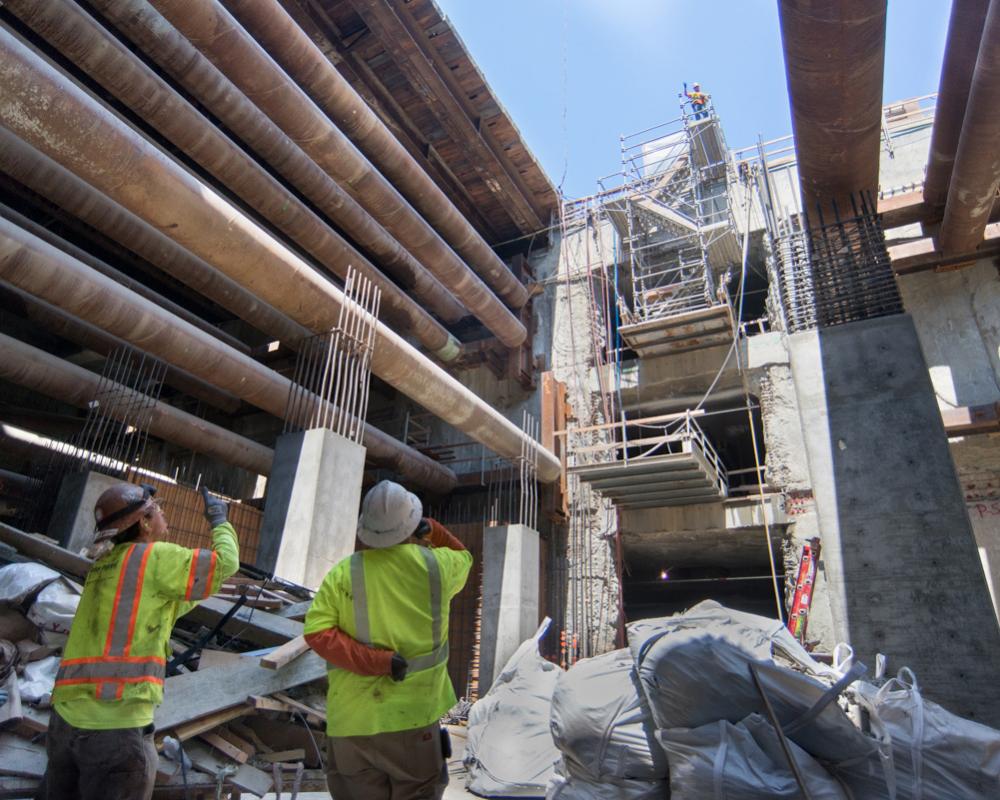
(834, 63)
(289, 45)
(103, 343)
(8, 147)
(976, 174)
(173, 53)
(965, 30)
(77, 197)
(93, 49)
(46, 374)
(51, 275)
(39, 103)
(214, 31)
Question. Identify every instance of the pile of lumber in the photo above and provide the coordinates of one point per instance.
(247, 708)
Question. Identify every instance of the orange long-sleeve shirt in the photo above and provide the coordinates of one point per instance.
(348, 653)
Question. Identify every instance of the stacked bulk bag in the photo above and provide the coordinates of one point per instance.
(602, 726)
(509, 750)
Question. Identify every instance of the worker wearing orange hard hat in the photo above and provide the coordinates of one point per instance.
(110, 680)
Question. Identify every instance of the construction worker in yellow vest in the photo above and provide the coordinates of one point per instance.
(381, 620)
(698, 100)
(110, 680)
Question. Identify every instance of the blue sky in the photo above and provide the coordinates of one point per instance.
(614, 67)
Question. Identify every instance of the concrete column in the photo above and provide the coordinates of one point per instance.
(313, 499)
(510, 597)
(72, 523)
(901, 564)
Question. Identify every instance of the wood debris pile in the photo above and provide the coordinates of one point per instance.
(245, 707)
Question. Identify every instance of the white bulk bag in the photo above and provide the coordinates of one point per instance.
(601, 721)
(723, 761)
(566, 786)
(936, 753)
(509, 751)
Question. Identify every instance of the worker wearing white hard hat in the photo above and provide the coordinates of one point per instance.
(380, 619)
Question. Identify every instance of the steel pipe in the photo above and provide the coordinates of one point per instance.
(214, 31)
(55, 115)
(51, 275)
(834, 62)
(965, 31)
(6, 212)
(289, 45)
(173, 53)
(103, 343)
(77, 197)
(93, 49)
(976, 175)
(46, 374)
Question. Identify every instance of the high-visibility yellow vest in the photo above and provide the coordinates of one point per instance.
(120, 637)
(396, 598)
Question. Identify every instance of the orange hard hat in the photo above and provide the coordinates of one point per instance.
(120, 507)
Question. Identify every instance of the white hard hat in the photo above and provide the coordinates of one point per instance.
(389, 515)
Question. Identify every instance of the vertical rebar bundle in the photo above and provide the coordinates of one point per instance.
(114, 436)
(528, 468)
(837, 271)
(333, 369)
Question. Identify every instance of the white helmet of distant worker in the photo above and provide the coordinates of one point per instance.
(389, 515)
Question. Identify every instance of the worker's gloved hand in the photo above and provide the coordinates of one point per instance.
(423, 528)
(398, 667)
(215, 508)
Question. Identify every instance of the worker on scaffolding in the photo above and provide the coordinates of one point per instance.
(381, 619)
(100, 738)
(698, 100)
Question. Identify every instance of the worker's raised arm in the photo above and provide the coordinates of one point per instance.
(181, 573)
(440, 536)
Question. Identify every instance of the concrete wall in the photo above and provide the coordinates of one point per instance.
(901, 562)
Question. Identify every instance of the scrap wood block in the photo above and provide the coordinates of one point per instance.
(224, 747)
(246, 778)
(33, 722)
(236, 740)
(289, 651)
(198, 726)
(318, 713)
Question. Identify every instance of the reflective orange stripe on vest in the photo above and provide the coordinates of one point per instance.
(199, 585)
(111, 671)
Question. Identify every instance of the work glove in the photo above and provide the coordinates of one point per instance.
(215, 508)
(423, 528)
(398, 667)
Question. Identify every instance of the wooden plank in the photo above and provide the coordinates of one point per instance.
(43, 549)
(305, 709)
(210, 659)
(295, 611)
(187, 697)
(198, 726)
(20, 757)
(298, 754)
(267, 704)
(33, 721)
(237, 741)
(289, 651)
(251, 624)
(224, 747)
(971, 419)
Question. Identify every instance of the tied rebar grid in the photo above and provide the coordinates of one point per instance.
(333, 370)
(837, 271)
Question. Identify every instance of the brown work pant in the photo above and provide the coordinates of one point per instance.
(403, 765)
(98, 765)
